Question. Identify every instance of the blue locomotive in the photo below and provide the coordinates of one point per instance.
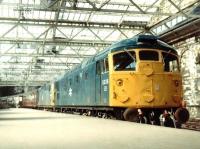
(136, 79)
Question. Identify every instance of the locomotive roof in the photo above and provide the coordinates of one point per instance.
(140, 41)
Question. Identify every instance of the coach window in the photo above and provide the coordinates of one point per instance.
(124, 61)
(170, 62)
(147, 55)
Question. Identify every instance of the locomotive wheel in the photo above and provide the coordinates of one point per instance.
(131, 115)
(182, 115)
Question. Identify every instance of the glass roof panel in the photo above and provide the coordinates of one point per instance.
(137, 18)
(105, 18)
(64, 16)
(67, 4)
(4, 28)
(4, 59)
(84, 5)
(25, 1)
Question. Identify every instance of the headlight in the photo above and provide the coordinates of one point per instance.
(119, 82)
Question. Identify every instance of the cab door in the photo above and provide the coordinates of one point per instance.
(98, 83)
(102, 82)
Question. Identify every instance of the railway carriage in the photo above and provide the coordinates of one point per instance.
(136, 79)
(29, 100)
(44, 96)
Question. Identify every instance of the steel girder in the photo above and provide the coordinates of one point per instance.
(75, 24)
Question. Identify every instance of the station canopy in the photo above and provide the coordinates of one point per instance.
(42, 39)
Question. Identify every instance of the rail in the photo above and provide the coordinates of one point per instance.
(192, 124)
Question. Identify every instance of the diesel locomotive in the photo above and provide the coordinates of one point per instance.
(136, 79)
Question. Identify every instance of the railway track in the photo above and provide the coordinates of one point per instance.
(192, 124)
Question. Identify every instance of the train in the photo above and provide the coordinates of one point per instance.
(29, 100)
(136, 79)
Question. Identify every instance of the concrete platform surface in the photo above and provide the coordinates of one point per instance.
(27, 129)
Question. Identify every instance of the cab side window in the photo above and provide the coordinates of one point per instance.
(170, 62)
(124, 61)
(102, 66)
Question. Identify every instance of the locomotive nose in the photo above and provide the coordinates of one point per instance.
(182, 115)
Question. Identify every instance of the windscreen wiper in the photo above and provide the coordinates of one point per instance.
(125, 50)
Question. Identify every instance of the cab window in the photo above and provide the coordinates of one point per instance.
(124, 61)
(147, 55)
(170, 62)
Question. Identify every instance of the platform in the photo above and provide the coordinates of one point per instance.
(34, 129)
